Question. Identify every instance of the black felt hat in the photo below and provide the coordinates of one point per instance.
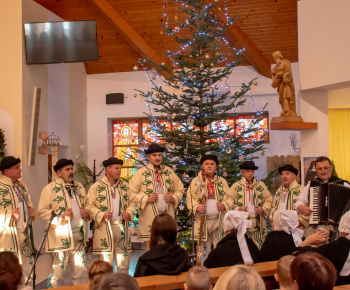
(248, 165)
(153, 148)
(62, 163)
(288, 167)
(210, 157)
(8, 162)
(112, 160)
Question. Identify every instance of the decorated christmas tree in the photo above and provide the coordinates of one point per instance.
(191, 105)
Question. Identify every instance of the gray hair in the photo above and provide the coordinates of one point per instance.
(119, 281)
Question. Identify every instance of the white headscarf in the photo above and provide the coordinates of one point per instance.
(344, 225)
(234, 219)
(287, 220)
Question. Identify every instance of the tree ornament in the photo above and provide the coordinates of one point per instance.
(161, 32)
(135, 95)
(162, 116)
(174, 166)
(224, 174)
(212, 64)
(207, 55)
(217, 53)
(196, 98)
(197, 55)
(176, 28)
(154, 78)
(148, 129)
(201, 66)
(151, 92)
(241, 158)
(135, 68)
(181, 207)
(172, 145)
(157, 94)
(228, 150)
(219, 8)
(187, 22)
(190, 121)
(216, 87)
(176, 18)
(185, 151)
(173, 115)
(263, 153)
(199, 158)
(207, 88)
(255, 83)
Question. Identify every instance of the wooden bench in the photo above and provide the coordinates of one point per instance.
(163, 282)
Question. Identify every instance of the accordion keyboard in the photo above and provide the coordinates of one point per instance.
(315, 205)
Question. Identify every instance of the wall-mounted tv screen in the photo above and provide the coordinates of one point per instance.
(59, 42)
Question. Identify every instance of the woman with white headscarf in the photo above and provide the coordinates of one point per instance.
(235, 247)
(338, 251)
(286, 236)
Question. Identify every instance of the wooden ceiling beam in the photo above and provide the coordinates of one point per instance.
(240, 40)
(110, 14)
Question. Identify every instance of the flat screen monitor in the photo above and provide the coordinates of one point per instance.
(60, 42)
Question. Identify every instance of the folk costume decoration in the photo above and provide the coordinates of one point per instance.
(286, 197)
(253, 196)
(66, 237)
(16, 235)
(209, 192)
(111, 237)
(158, 179)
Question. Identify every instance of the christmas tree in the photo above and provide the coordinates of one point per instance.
(191, 105)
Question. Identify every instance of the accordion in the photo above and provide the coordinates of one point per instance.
(328, 203)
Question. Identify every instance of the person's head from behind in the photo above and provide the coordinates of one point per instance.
(198, 278)
(119, 281)
(311, 271)
(163, 230)
(10, 271)
(282, 275)
(97, 271)
(240, 277)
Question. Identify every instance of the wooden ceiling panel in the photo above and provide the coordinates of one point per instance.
(269, 25)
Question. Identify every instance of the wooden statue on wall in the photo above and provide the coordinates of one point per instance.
(282, 79)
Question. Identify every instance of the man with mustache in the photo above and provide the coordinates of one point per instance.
(16, 213)
(288, 193)
(157, 190)
(66, 238)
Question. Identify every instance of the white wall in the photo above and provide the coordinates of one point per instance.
(339, 99)
(100, 114)
(324, 43)
(62, 109)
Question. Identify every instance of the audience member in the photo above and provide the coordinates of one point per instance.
(97, 271)
(282, 275)
(311, 271)
(11, 274)
(165, 255)
(198, 278)
(240, 277)
(119, 281)
(286, 236)
(235, 247)
(337, 251)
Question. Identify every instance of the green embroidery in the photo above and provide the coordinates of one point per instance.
(104, 243)
(65, 243)
(147, 183)
(124, 187)
(58, 199)
(169, 181)
(101, 198)
(6, 202)
(239, 204)
(4, 192)
(100, 188)
(23, 187)
(61, 209)
(146, 174)
(239, 188)
(166, 172)
(125, 197)
(260, 188)
(103, 208)
(148, 191)
(56, 189)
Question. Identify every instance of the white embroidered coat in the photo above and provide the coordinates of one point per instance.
(99, 200)
(54, 197)
(142, 184)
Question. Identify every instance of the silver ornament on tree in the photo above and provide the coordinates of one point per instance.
(190, 121)
(228, 150)
(224, 174)
(241, 158)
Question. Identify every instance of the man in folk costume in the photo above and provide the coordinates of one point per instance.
(210, 196)
(252, 196)
(17, 214)
(157, 189)
(66, 237)
(288, 193)
(112, 207)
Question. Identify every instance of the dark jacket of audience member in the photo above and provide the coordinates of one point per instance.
(337, 252)
(165, 257)
(276, 245)
(228, 253)
(168, 259)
